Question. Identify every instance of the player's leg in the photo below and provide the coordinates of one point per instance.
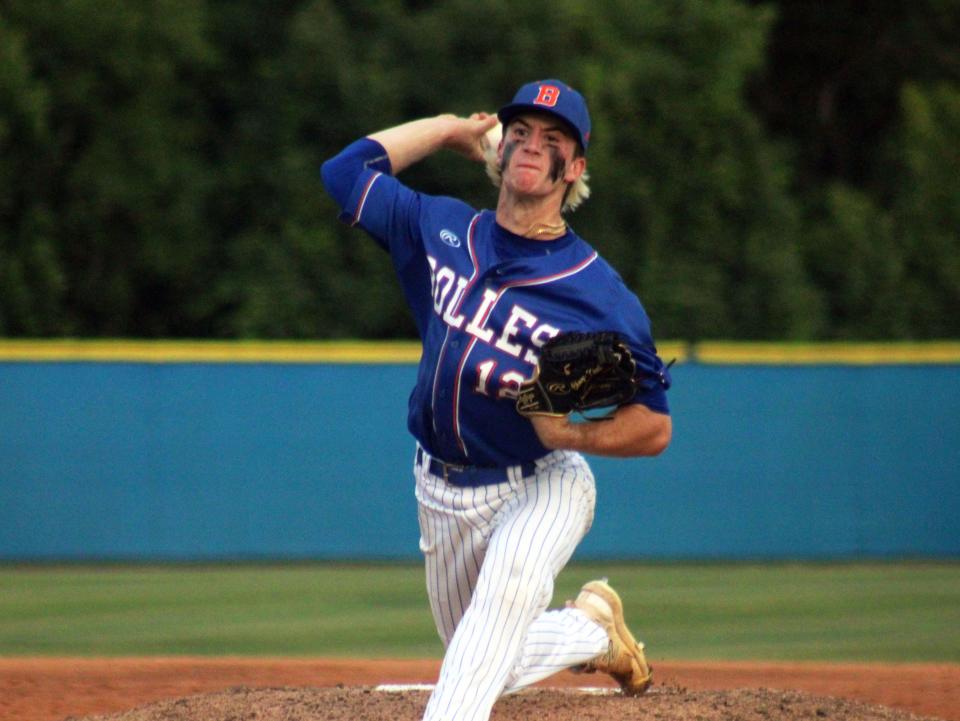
(534, 535)
(591, 633)
(453, 550)
(454, 528)
(556, 640)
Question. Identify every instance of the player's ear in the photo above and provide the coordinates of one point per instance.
(575, 168)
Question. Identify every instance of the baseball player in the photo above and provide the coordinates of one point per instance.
(505, 498)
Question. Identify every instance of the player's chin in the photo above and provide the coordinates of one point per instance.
(529, 183)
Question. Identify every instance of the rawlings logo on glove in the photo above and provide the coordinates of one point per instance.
(577, 372)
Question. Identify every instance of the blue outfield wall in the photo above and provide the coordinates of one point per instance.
(179, 461)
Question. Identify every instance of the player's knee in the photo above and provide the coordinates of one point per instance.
(520, 590)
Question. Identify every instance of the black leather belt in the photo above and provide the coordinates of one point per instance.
(468, 476)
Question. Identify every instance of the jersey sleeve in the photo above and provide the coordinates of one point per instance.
(628, 317)
(654, 377)
(359, 180)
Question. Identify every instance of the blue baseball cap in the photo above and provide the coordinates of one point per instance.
(556, 98)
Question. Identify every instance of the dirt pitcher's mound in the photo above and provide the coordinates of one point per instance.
(368, 704)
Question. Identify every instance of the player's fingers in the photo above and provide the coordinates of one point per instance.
(482, 122)
(488, 134)
(469, 133)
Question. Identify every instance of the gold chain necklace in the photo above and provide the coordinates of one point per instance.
(538, 229)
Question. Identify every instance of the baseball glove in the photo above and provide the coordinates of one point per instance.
(577, 372)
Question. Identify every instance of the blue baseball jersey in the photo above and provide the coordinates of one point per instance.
(484, 301)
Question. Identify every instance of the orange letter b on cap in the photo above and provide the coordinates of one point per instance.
(548, 95)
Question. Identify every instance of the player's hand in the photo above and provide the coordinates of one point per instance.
(466, 135)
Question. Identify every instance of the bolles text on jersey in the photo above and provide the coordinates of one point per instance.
(521, 334)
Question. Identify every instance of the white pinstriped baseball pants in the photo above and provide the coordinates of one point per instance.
(491, 555)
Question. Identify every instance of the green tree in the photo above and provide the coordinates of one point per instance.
(865, 93)
(926, 208)
(759, 170)
(326, 78)
(852, 254)
(890, 267)
(834, 72)
(110, 183)
(32, 283)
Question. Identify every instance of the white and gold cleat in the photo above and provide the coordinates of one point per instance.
(624, 660)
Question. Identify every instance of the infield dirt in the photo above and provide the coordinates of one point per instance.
(215, 689)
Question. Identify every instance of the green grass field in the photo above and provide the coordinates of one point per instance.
(908, 612)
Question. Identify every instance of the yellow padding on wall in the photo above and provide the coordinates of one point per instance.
(167, 351)
(170, 351)
(359, 351)
(672, 349)
(732, 353)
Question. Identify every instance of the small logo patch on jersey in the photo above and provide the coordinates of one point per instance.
(450, 238)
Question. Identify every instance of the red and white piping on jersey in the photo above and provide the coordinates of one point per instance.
(446, 337)
(486, 316)
(363, 198)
